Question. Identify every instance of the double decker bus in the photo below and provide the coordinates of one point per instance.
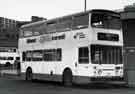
(8, 56)
(82, 47)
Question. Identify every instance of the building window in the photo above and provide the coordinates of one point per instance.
(7, 35)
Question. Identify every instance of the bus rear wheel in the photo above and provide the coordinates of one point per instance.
(29, 75)
(67, 78)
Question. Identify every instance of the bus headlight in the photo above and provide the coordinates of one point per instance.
(99, 72)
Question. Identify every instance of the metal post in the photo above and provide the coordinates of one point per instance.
(85, 5)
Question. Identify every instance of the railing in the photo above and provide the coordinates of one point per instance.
(10, 69)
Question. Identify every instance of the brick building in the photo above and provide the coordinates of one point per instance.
(9, 32)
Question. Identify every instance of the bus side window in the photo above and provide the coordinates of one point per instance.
(51, 27)
(64, 24)
(53, 54)
(59, 54)
(81, 21)
(39, 29)
(17, 58)
(10, 58)
(21, 33)
(24, 56)
(29, 56)
(37, 55)
(83, 55)
(14, 50)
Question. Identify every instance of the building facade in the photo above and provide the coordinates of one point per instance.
(8, 32)
(128, 26)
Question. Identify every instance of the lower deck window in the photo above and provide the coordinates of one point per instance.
(43, 55)
(6, 58)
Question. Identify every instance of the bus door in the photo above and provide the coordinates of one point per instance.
(82, 66)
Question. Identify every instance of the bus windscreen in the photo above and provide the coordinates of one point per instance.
(106, 21)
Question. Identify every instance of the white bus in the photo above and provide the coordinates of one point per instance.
(8, 56)
(81, 47)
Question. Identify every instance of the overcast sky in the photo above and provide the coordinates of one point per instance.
(23, 9)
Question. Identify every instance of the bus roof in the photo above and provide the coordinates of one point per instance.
(79, 13)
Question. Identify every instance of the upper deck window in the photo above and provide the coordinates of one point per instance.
(81, 21)
(107, 21)
(39, 29)
(51, 27)
(33, 30)
(64, 24)
(25, 32)
(28, 33)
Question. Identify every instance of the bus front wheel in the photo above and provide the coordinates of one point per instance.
(67, 78)
(29, 74)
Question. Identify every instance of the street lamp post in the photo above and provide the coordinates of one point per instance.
(85, 5)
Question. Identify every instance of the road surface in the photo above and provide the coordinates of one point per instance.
(18, 86)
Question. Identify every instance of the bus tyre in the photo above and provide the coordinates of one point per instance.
(67, 78)
(29, 75)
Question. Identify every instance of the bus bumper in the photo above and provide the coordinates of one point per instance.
(86, 79)
(115, 78)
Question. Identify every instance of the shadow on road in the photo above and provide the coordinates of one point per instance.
(96, 85)
(103, 85)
